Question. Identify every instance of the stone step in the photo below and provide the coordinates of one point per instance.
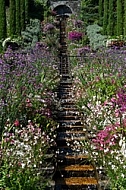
(68, 106)
(70, 138)
(71, 132)
(76, 167)
(69, 122)
(64, 83)
(77, 181)
(68, 117)
(63, 127)
(75, 173)
(64, 90)
(67, 100)
(73, 159)
(70, 109)
(70, 150)
(68, 113)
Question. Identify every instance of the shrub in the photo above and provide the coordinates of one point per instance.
(96, 39)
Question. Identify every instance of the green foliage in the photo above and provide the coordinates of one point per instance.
(100, 10)
(31, 34)
(119, 18)
(105, 17)
(125, 20)
(89, 11)
(2, 20)
(12, 21)
(111, 20)
(36, 10)
(22, 14)
(26, 11)
(18, 23)
(96, 39)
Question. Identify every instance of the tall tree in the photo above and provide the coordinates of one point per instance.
(125, 19)
(2, 20)
(27, 11)
(89, 11)
(111, 21)
(12, 21)
(105, 16)
(119, 17)
(18, 23)
(100, 10)
(22, 14)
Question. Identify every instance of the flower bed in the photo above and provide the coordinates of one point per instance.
(101, 98)
(27, 80)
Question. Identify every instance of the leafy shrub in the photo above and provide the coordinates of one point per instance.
(31, 34)
(96, 39)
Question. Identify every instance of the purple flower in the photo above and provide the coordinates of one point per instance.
(48, 27)
(75, 35)
(83, 50)
(78, 23)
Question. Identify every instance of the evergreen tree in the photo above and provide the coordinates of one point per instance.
(12, 21)
(105, 17)
(125, 19)
(2, 19)
(119, 17)
(111, 21)
(89, 11)
(27, 11)
(22, 14)
(18, 24)
(100, 10)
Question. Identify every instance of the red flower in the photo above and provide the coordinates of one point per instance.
(16, 123)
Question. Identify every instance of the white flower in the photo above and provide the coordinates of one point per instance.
(122, 175)
(113, 166)
(22, 165)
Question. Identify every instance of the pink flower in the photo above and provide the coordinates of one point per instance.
(16, 123)
(75, 35)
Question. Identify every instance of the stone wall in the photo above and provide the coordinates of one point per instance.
(74, 5)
